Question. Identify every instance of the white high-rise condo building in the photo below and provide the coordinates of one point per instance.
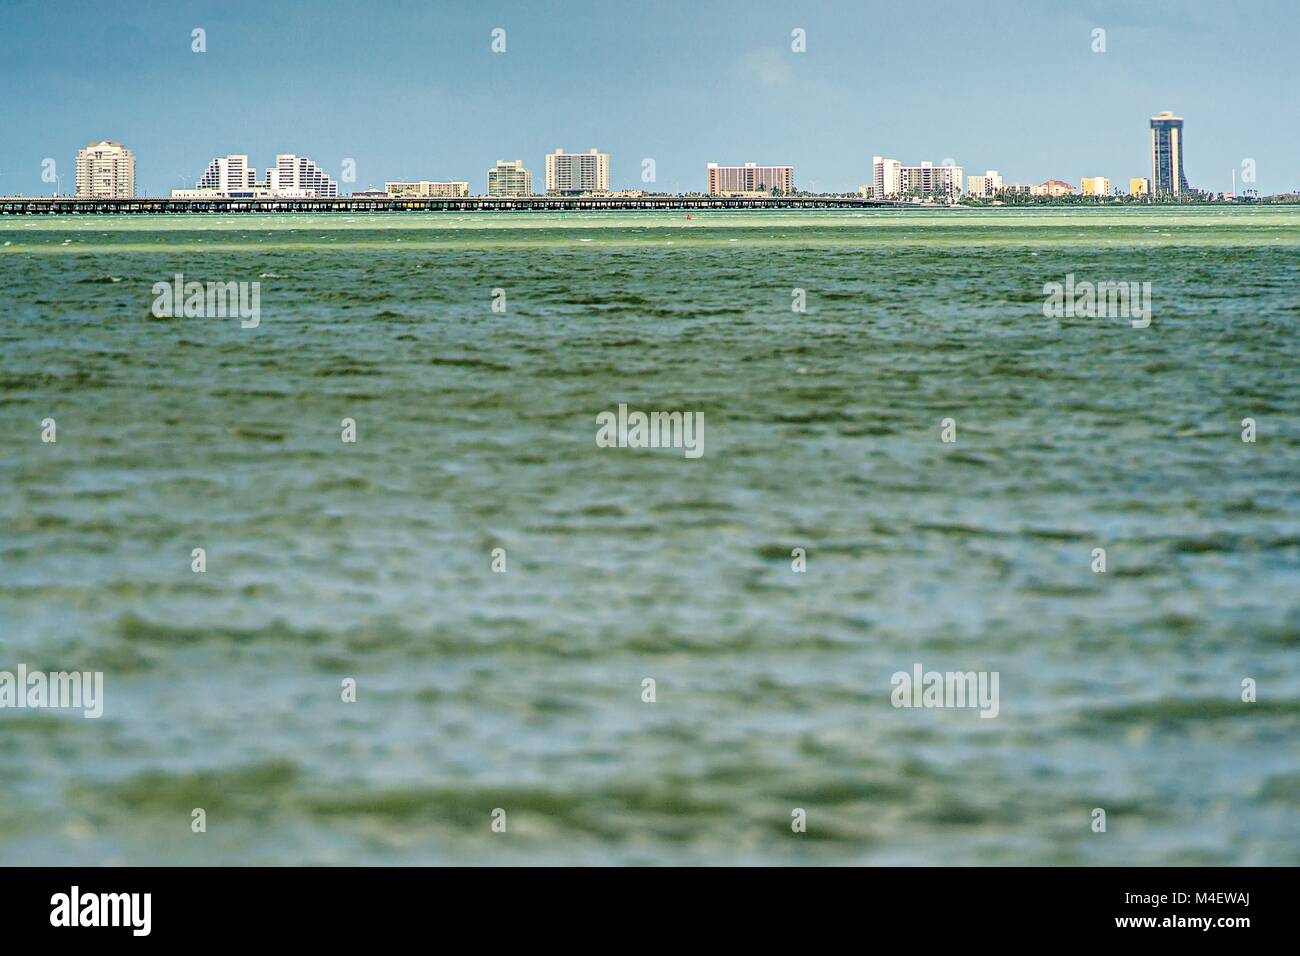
(893, 180)
(228, 174)
(885, 177)
(750, 178)
(105, 171)
(569, 173)
(299, 176)
(510, 179)
(986, 186)
(933, 182)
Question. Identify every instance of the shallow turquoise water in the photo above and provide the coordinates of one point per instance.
(522, 690)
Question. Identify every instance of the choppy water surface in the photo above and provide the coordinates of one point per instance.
(523, 690)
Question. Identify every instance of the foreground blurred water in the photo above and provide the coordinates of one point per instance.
(522, 690)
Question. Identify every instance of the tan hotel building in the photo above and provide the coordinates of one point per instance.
(105, 171)
(750, 178)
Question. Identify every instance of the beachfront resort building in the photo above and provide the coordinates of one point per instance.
(228, 174)
(1095, 186)
(1167, 175)
(1139, 187)
(926, 180)
(298, 174)
(570, 174)
(231, 177)
(426, 190)
(750, 180)
(892, 180)
(986, 186)
(105, 170)
(509, 179)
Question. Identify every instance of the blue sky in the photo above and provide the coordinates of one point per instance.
(412, 90)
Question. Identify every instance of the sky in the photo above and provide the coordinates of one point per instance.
(411, 89)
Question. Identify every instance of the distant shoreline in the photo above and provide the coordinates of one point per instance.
(349, 204)
(62, 205)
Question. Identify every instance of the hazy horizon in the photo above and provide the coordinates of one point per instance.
(1011, 86)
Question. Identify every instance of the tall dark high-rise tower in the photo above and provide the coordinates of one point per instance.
(1167, 175)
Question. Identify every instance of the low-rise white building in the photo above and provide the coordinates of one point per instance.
(427, 190)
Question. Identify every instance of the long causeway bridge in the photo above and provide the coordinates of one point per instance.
(65, 205)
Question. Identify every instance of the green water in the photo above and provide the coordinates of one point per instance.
(523, 690)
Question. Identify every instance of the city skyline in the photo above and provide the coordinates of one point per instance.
(588, 172)
(100, 174)
(1029, 98)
